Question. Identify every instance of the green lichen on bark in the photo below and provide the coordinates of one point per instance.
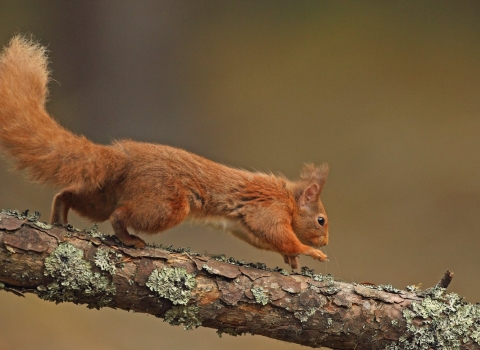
(228, 330)
(186, 315)
(328, 279)
(26, 215)
(73, 278)
(93, 232)
(442, 321)
(43, 225)
(172, 283)
(260, 296)
(207, 268)
(108, 259)
(303, 315)
(388, 288)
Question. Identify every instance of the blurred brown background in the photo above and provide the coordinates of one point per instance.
(386, 92)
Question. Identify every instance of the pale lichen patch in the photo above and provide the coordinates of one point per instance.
(207, 268)
(229, 331)
(108, 259)
(73, 278)
(440, 321)
(93, 232)
(172, 283)
(413, 288)
(186, 315)
(303, 315)
(43, 225)
(259, 294)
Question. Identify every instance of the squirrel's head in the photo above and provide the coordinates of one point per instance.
(310, 222)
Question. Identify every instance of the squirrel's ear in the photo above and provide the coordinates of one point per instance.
(315, 175)
(310, 195)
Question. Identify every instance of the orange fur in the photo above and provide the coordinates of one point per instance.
(149, 187)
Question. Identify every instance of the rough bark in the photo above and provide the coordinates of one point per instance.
(63, 264)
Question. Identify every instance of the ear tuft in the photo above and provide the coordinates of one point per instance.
(312, 174)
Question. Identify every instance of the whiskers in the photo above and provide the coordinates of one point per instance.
(327, 264)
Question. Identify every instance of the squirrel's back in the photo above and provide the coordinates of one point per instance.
(34, 141)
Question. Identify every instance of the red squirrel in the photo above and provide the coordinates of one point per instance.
(150, 187)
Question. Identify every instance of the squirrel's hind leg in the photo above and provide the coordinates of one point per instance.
(117, 220)
(62, 202)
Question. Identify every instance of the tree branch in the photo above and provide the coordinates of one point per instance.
(63, 264)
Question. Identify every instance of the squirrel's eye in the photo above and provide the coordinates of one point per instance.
(321, 221)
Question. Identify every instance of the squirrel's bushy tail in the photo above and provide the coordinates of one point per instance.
(48, 152)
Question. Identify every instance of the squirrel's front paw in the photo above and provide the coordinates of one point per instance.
(317, 255)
